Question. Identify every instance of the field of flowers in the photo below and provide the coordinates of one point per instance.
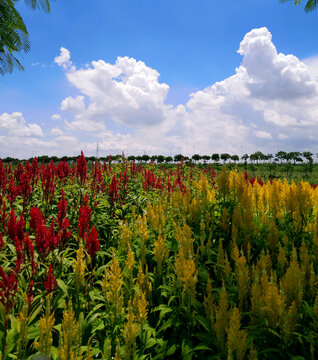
(126, 261)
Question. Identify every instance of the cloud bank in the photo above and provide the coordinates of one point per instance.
(270, 99)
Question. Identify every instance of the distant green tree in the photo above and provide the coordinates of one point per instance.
(177, 158)
(245, 158)
(215, 157)
(205, 158)
(196, 157)
(131, 158)
(235, 158)
(281, 155)
(293, 155)
(269, 157)
(153, 158)
(160, 159)
(308, 156)
(168, 159)
(225, 157)
(145, 158)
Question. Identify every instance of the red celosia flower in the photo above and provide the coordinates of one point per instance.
(81, 169)
(36, 218)
(24, 187)
(18, 248)
(13, 192)
(113, 190)
(50, 282)
(48, 180)
(1, 241)
(4, 215)
(92, 243)
(41, 239)
(169, 185)
(83, 221)
(8, 288)
(53, 240)
(18, 172)
(12, 225)
(30, 295)
(63, 170)
(62, 206)
(20, 228)
(64, 234)
(28, 249)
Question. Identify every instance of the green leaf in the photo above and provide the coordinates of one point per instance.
(61, 284)
(171, 350)
(202, 347)
(150, 343)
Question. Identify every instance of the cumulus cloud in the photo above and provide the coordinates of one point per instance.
(75, 105)
(63, 59)
(272, 75)
(128, 92)
(56, 117)
(56, 132)
(14, 125)
(263, 134)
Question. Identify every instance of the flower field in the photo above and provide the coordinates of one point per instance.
(127, 261)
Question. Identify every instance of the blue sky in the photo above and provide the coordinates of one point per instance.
(186, 47)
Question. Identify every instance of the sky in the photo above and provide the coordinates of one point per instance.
(163, 77)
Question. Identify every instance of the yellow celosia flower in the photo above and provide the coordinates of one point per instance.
(126, 236)
(112, 286)
(222, 317)
(186, 275)
(161, 253)
(274, 304)
(46, 325)
(156, 217)
(209, 305)
(223, 183)
(243, 280)
(236, 337)
(130, 333)
(142, 313)
(79, 268)
(143, 281)
(289, 321)
(292, 282)
(118, 350)
(23, 329)
(70, 335)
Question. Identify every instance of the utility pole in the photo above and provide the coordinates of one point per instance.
(97, 149)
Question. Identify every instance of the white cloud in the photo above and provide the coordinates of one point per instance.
(283, 136)
(273, 75)
(56, 132)
(263, 134)
(56, 117)
(312, 63)
(75, 105)
(14, 124)
(128, 92)
(64, 58)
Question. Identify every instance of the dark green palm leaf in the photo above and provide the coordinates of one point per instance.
(14, 37)
(310, 5)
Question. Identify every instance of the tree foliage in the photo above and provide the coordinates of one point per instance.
(14, 36)
(310, 5)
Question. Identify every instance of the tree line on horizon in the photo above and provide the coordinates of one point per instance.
(294, 157)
